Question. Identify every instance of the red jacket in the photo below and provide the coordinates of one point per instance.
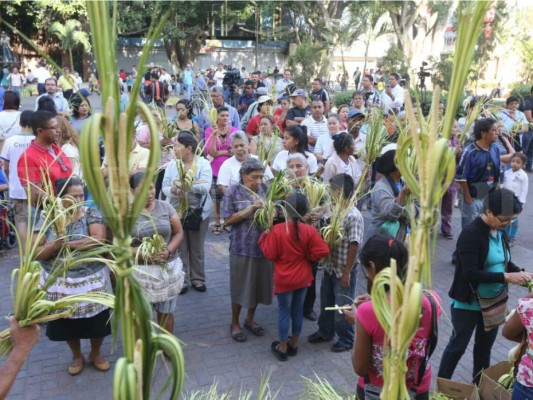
(292, 259)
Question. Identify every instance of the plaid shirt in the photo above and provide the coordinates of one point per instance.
(354, 227)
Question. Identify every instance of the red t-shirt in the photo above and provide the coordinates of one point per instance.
(252, 128)
(281, 124)
(38, 158)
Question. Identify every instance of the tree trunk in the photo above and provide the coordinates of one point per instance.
(367, 45)
(71, 61)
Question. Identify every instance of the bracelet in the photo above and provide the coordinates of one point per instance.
(169, 253)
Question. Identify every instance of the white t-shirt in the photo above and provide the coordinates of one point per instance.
(229, 172)
(13, 148)
(280, 162)
(42, 74)
(324, 146)
(9, 124)
(72, 152)
(16, 79)
(517, 182)
(219, 77)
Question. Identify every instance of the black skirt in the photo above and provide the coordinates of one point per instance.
(65, 329)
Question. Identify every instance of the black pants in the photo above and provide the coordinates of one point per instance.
(464, 323)
(310, 296)
(41, 89)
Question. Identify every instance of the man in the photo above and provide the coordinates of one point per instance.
(137, 162)
(219, 75)
(253, 108)
(527, 110)
(42, 74)
(357, 78)
(255, 79)
(319, 93)
(51, 90)
(282, 83)
(156, 92)
(370, 94)
(393, 96)
(358, 101)
(187, 80)
(67, 83)
(478, 170)
(217, 98)
(229, 173)
(43, 156)
(300, 109)
(356, 120)
(201, 82)
(246, 98)
(211, 76)
(316, 123)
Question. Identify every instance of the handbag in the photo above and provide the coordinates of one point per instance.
(192, 219)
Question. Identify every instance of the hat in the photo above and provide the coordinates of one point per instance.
(261, 91)
(356, 114)
(84, 92)
(283, 96)
(202, 71)
(189, 65)
(211, 67)
(299, 92)
(263, 99)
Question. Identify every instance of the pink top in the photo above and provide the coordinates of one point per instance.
(221, 144)
(525, 367)
(367, 318)
(143, 136)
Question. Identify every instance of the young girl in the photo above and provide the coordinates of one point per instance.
(294, 141)
(516, 180)
(367, 356)
(292, 247)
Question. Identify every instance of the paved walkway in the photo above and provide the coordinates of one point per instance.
(202, 322)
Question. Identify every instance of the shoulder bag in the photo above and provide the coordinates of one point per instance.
(192, 219)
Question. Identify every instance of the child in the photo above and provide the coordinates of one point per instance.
(292, 247)
(338, 282)
(515, 179)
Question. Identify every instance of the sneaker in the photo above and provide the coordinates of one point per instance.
(339, 347)
(317, 338)
(448, 236)
(311, 316)
(279, 354)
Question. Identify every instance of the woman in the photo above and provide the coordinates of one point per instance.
(342, 161)
(293, 247)
(483, 270)
(250, 273)
(343, 112)
(264, 107)
(267, 141)
(519, 328)
(9, 117)
(280, 114)
(183, 121)
(69, 142)
(358, 100)
(514, 121)
(81, 111)
(388, 197)
(159, 275)
(218, 147)
(90, 320)
(198, 197)
(324, 143)
(504, 145)
(294, 141)
(367, 357)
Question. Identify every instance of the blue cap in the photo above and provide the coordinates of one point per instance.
(299, 92)
(355, 113)
(84, 92)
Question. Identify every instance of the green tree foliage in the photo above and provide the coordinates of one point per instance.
(309, 61)
(71, 36)
(393, 61)
(442, 72)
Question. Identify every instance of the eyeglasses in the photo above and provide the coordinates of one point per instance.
(504, 221)
(54, 128)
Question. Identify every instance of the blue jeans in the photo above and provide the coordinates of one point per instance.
(527, 139)
(331, 293)
(470, 212)
(188, 90)
(521, 392)
(464, 323)
(291, 307)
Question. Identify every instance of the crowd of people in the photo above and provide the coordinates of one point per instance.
(231, 162)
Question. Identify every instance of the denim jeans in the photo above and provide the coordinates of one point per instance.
(464, 323)
(470, 212)
(291, 308)
(526, 143)
(331, 293)
(522, 392)
(188, 89)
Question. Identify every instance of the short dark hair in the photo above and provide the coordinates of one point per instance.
(251, 165)
(46, 103)
(222, 108)
(358, 93)
(187, 139)
(343, 182)
(511, 99)
(11, 100)
(50, 79)
(63, 184)
(25, 118)
(136, 179)
(502, 202)
(154, 75)
(39, 119)
(385, 163)
(396, 75)
(249, 82)
(318, 80)
(521, 156)
(369, 77)
(483, 125)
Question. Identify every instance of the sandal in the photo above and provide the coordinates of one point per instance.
(239, 337)
(100, 363)
(217, 229)
(257, 330)
(76, 366)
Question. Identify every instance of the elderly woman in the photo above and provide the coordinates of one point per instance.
(514, 121)
(160, 275)
(250, 273)
(198, 197)
(483, 271)
(90, 320)
(342, 160)
(388, 197)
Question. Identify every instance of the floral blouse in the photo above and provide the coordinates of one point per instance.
(525, 368)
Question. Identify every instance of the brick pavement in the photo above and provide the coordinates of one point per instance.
(202, 323)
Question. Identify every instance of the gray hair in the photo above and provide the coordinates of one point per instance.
(217, 89)
(297, 156)
(251, 165)
(239, 135)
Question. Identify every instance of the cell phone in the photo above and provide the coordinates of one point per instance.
(388, 86)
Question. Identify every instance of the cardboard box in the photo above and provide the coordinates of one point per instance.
(456, 390)
(489, 389)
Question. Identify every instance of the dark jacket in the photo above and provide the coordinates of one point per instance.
(472, 252)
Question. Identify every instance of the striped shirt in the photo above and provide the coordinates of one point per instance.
(315, 128)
